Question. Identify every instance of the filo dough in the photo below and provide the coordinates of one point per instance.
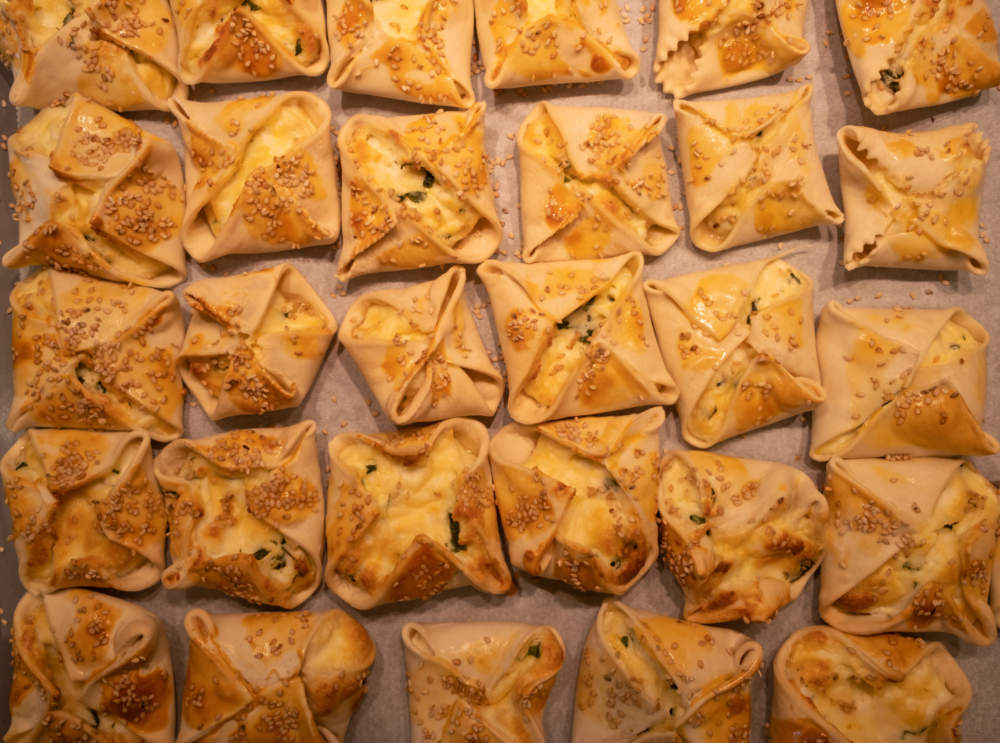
(900, 381)
(593, 183)
(246, 513)
(296, 675)
(411, 513)
(577, 498)
(255, 342)
(576, 337)
(751, 170)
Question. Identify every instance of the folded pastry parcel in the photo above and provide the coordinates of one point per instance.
(246, 513)
(739, 339)
(260, 175)
(645, 676)
(94, 354)
(256, 341)
(411, 514)
(750, 169)
(96, 194)
(577, 498)
(89, 667)
(281, 676)
(912, 200)
(593, 183)
(415, 192)
(483, 681)
(830, 686)
(900, 381)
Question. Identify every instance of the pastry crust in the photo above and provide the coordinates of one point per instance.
(256, 341)
(246, 513)
(750, 169)
(593, 183)
(900, 381)
(261, 177)
(415, 192)
(577, 498)
(912, 200)
(77, 366)
(411, 514)
(297, 675)
(96, 194)
(740, 341)
(576, 337)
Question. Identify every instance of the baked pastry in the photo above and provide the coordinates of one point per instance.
(900, 381)
(246, 513)
(480, 680)
(260, 174)
(97, 355)
(920, 53)
(644, 676)
(411, 514)
(577, 498)
(593, 183)
(830, 686)
(280, 676)
(89, 667)
(740, 341)
(912, 200)
(750, 169)
(741, 536)
(415, 192)
(576, 337)
(98, 195)
(420, 352)
(256, 341)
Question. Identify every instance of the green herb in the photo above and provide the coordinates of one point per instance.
(455, 528)
(535, 650)
(563, 324)
(21, 465)
(585, 338)
(950, 526)
(697, 519)
(261, 553)
(116, 470)
(100, 386)
(414, 196)
(369, 468)
(625, 640)
(428, 179)
(251, 4)
(279, 561)
(915, 732)
(89, 237)
(907, 566)
(793, 277)
(673, 685)
(298, 47)
(565, 179)
(586, 305)
(753, 305)
(890, 79)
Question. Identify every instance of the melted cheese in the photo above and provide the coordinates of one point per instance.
(952, 342)
(291, 314)
(399, 18)
(386, 323)
(282, 26)
(41, 135)
(46, 18)
(536, 10)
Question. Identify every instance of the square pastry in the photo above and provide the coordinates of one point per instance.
(577, 498)
(416, 192)
(740, 341)
(912, 200)
(576, 337)
(260, 175)
(420, 352)
(411, 514)
(98, 195)
(256, 341)
(593, 183)
(751, 170)
(900, 381)
(246, 513)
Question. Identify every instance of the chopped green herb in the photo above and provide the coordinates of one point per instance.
(625, 640)
(585, 338)
(278, 561)
(428, 179)
(116, 470)
(21, 465)
(261, 553)
(298, 47)
(251, 4)
(950, 526)
(535, 650)
(697, 519)
(890, 79)
(753, 305)
(369, 468)
(455, 528)
(793, 277)
(101, 387)
(414, 196)
(915, 732)
(908, 566)
(563, 324)
(565, 179)
(89, 237)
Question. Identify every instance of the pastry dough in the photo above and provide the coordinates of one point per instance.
(751, 170)
(911, 546)
(741, 536)
(246, 513)
(420, 352)
(576, 337)
(94, 354)
(256, 341)
(593, 183)
(89, 667)
(483, 681)
(645, 676)
(829, 686)
(416, 192)
(900, 381)
(281, 676)
(912, 200)
(411, 514)
(97, 195)
(260, 175)
(577, 498)
(740, 339)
